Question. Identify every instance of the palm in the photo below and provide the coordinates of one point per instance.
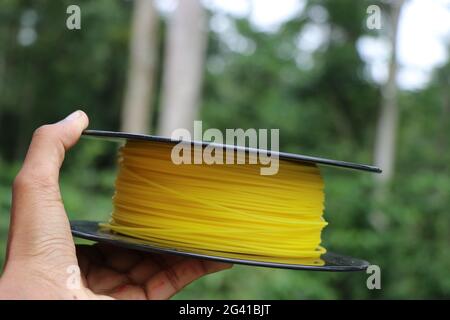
(125, 274)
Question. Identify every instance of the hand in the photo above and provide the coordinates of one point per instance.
(42, 261)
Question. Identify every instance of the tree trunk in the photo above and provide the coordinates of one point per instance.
(183, 69)
(444, 123)
(385, 143)
(136, 112)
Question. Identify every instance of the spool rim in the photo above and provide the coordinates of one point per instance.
(90, 230)
(114, 136)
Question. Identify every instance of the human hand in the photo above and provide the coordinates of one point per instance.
(42, 261)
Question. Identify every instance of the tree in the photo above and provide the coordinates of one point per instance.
(183, 68)
(386, 132)
(142, 63)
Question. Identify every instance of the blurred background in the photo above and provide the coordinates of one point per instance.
(362, 81)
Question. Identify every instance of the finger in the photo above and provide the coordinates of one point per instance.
(103, 280)
(168, 282)
(39, 225)
(145, 269)
(88, 255)
(99, 277)
(48, 146)
(129, 292)
(119, 259)
(150, 265)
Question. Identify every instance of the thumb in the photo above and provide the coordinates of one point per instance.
(39, 229)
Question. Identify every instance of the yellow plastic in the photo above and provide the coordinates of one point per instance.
(227, 210)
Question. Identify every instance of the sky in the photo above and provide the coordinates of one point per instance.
(423, 39)
(424, 32)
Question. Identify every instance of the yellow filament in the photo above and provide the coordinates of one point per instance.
(224, 210)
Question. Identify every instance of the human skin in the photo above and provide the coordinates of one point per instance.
(42, 260)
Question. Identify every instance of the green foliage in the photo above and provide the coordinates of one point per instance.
(65, 59)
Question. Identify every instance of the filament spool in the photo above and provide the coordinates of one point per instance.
(220, 210)
(328, 261)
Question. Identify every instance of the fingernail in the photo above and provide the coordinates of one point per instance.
(73, 116)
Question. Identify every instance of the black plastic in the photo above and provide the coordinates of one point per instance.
(91, 231)
(111, 135)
